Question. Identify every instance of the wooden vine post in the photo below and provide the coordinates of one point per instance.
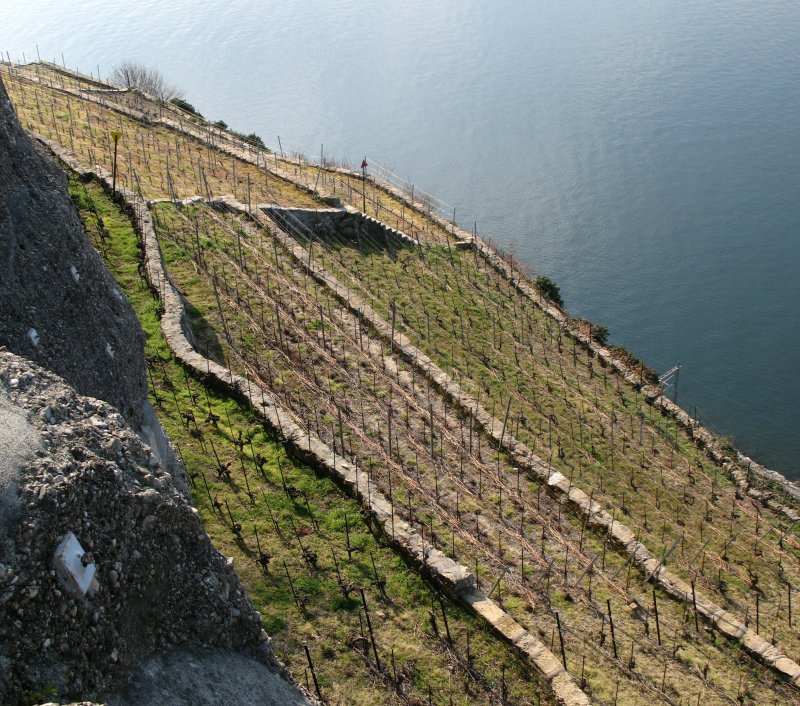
(115, 135)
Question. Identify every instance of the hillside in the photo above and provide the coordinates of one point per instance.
(596, 526)
(58, 305)
(106, 573)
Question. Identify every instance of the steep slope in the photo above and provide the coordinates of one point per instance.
(59, 306)
(158, 582)
(107, 577)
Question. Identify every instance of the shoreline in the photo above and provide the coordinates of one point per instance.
(718, 449)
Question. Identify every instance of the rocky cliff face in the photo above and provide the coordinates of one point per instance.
(75, 466)
(59, 306)
(109, 584)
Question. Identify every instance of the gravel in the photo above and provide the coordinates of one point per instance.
(196, 677)
(161, 583)
(19, 443)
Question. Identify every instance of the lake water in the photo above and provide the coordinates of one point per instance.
(645, 155)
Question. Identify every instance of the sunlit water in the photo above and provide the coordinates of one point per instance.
(644, 155)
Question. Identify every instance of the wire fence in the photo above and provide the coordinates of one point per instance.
(376, 172)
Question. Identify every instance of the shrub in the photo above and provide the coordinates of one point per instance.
(549, 289)
(185, 105)
(648, 374)
(600, 333)
(252, 138)
(597, 332)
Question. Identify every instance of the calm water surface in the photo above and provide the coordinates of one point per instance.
(644, 155)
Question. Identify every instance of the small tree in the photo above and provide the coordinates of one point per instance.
(549, 289)
(254, 139)
(599, 333)
(187, 106)
(132, 74)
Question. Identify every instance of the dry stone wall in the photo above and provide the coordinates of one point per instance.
(596, 516)
(322, 222)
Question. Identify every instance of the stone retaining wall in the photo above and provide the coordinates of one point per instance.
(454, 578)
(345, 220)
(728, 624)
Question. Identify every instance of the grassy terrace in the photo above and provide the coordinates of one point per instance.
(152, 159)
(254, 309)
(276, 324)
(185, 179)
(291, 531)
(585, 421)
(54, 76)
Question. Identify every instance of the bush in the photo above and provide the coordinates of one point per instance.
(648, 374)
(185, 105)
(549, 289)
(599, 333)
(252, 138)
(596, 332)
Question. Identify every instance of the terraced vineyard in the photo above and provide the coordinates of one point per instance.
(278, 325)
(583, 420)
(291, 543)
(287, 309)
(153, 159)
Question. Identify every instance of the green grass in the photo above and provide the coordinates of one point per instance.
(329, 621)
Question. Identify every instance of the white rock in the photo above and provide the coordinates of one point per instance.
(98, 422)
(67, 563)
